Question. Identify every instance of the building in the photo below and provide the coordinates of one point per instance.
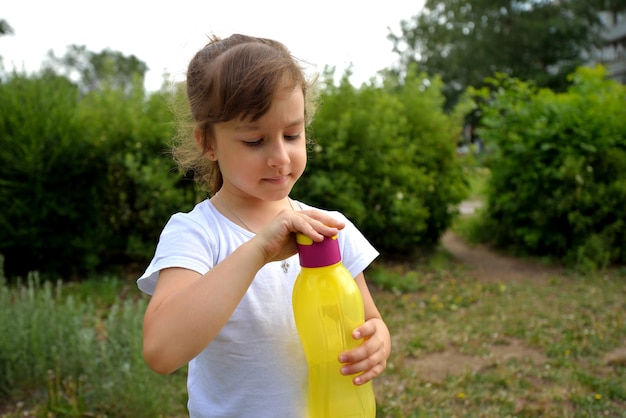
(613, 53)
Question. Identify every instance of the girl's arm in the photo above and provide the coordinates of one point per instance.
(187, 310)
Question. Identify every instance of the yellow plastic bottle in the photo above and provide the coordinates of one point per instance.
(328, 306)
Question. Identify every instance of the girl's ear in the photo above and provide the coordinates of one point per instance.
(206, 146)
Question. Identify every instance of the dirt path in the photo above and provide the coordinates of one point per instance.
(489, 267)
(492, 267)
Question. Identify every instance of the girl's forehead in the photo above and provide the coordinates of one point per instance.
(286, 106)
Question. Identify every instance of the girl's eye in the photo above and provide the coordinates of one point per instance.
(253, 143)
(259, 142)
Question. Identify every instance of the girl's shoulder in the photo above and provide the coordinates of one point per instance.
(202, 215)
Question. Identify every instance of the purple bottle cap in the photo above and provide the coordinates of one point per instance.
(318, 254)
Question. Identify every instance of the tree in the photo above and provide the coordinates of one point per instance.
(90, 69)
(610, 5)
(5, 28)
(465, 41)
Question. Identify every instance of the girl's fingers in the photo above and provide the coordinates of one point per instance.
(278, 240)
(359, 359)
(365, 370)
(316, 228)
(367, 360)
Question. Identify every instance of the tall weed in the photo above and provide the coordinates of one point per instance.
(77, 357)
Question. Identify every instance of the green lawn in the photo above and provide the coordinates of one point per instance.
(462, 347)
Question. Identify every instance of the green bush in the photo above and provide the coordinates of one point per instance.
(50, 177)
(88, 182)
(143, 187)
(385, 156)
(86, 179)
(558, 169)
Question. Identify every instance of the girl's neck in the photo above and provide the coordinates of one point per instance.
(251, 214)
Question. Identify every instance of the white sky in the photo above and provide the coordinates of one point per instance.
(165, 35)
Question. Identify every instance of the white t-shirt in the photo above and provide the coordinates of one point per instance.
(255, 366)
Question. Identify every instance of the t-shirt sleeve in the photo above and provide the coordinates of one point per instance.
(183, 243)
(356, 251)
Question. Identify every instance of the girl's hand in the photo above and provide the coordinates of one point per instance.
(277, 240)
(370, 358)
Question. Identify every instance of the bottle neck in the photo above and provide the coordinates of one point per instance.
(330, 266)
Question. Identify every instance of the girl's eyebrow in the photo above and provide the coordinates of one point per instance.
(252, 126)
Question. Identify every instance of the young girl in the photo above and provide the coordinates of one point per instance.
(222, 276)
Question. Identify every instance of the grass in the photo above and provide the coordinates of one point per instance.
(522, 349)
(477, 178)
(461, 347)
(64, 354)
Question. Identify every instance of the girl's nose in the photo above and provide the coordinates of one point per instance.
(279, 154)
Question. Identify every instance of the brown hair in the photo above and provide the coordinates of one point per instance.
(230, 78)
